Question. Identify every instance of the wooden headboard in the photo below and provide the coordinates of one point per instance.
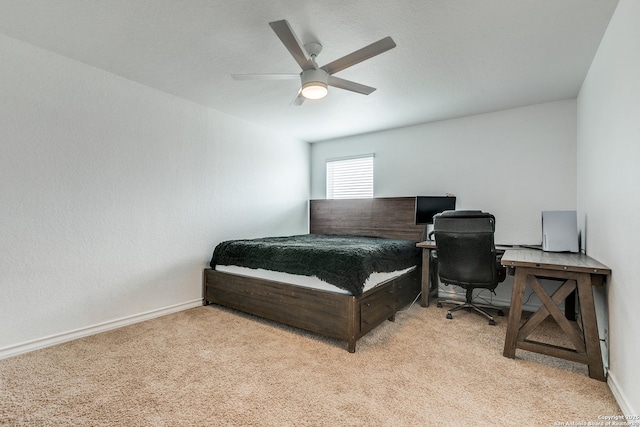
(390, 217)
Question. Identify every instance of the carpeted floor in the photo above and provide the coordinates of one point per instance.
(211, 366)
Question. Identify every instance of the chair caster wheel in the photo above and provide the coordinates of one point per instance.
(492, 322)
(449, 316)
(439, 304)
(500, 313)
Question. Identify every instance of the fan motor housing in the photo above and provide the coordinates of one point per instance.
(313, 75)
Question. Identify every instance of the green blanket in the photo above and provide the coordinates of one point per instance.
(343, 261)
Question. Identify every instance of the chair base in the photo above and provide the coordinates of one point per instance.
(478, 308)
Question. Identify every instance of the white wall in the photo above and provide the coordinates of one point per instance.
(608, 193)
(113, 196)
(514, 164)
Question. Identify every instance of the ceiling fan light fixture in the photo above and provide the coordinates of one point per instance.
(314, 83)
(314, 90)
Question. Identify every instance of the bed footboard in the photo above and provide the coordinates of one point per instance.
(334, 315)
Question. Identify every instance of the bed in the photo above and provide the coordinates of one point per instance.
(344, 313)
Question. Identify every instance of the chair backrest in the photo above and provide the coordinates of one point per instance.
(466, 249)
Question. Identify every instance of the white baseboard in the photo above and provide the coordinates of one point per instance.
(49, 341)
(620, 397)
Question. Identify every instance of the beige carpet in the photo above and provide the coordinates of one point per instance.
(212, 366)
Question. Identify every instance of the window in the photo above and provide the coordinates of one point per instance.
(350, 178)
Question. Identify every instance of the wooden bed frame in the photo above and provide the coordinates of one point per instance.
(340, 316)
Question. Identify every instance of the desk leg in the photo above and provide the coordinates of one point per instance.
(590, 327)
(425, 283)
(515, 313)
(587, 343)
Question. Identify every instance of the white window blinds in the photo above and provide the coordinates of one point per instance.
(350, 178)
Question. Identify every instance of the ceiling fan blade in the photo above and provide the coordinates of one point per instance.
(360, 55)
(349, 85)
(299, 99)
(265, 76)
(288, 37)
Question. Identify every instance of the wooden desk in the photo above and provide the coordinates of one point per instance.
(428, 288)
(579, 273)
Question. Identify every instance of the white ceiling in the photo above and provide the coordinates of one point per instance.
(453, 57)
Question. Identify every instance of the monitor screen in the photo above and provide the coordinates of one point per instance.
(428, 206)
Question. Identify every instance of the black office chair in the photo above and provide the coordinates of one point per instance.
(466, 255)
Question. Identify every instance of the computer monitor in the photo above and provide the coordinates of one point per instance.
(428, 206)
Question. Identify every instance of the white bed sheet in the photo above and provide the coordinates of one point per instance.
(309, 281)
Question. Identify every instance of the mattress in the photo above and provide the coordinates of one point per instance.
(312, 282)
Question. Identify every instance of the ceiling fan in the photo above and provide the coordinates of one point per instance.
(315, 79)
